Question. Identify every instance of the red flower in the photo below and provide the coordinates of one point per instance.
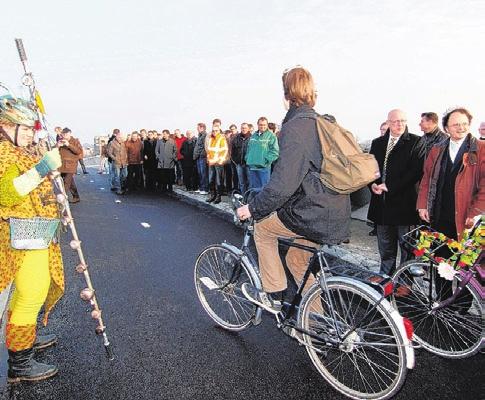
(439, 259)
(418, 252)
(462, 264)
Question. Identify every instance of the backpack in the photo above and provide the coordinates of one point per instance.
(345, 167)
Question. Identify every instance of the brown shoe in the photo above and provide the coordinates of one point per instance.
(74, 200)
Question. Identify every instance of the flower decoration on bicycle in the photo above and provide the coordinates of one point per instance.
(444, 296)
(464, 253)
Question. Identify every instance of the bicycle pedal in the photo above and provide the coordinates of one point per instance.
(209, 283)
(291, 332)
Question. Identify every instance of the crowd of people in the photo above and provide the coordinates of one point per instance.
(217, 162)
(213, 163)
(406, 163)
(438, 178)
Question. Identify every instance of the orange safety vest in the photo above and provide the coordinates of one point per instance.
(217, 150)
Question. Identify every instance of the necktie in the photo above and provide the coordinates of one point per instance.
(390, 146)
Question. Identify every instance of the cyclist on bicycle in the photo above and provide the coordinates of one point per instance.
(294, 203)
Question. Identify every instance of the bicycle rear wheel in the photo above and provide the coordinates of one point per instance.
(219, 274)
(370, 362)
(452, 332)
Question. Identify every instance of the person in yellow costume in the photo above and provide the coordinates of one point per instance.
(37, 273)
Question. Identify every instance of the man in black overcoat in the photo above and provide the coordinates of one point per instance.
(393, 202)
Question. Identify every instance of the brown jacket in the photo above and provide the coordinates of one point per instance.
(117, 152)
(469, 184)
(70, 155)
(134, 151)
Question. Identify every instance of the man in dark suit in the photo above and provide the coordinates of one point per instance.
(432, 134)
(393, 202)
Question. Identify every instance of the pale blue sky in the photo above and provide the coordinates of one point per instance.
(169, 64)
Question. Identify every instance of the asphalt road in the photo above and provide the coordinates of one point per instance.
(166, 346)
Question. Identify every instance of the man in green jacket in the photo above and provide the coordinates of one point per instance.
(262, 151)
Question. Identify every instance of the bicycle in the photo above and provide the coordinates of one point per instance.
(448, 318)
(353, 336)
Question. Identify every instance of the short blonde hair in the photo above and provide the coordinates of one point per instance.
(298, 87)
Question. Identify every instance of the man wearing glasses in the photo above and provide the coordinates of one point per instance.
(393, 202)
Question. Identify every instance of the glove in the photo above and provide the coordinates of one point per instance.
(50, 162)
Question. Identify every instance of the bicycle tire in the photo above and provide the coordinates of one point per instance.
(227, 307)
(456, 331)
(351, 367)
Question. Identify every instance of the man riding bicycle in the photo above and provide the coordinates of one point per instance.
(294, 203)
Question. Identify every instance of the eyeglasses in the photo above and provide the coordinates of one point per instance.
(462, 125)
(398, 121)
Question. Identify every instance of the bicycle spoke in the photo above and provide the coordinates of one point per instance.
(225, 303)
(369, 360)
(454, 331)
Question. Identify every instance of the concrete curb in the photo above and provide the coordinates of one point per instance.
(224, 211)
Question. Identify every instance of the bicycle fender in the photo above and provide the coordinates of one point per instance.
(252, 270)
(376, 296)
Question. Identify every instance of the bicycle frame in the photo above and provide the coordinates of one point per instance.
(322, 267)
(467, 277)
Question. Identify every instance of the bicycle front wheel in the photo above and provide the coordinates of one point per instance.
(360, 350)
(452, 332)
(219, 274)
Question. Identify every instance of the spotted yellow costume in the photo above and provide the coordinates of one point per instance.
(40, 202)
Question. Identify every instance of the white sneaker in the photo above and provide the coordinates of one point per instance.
(197, 191)
(203, 192)
(261, 298)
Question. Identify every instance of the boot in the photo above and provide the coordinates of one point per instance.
(219, 191)
(23, 367)
(212, 197)
(44, 341)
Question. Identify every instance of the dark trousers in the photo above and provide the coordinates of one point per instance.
(229, 178)
(389, 237)
(190, 176)
(150, 177)
(83, 167)
(178, 171)
(134, 179)
(235, 177)
(216, 182)
(259, 178)
(70, 185)
(243, 177)
(166, 178)
(203, 174)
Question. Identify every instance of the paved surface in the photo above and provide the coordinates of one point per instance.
(166, 347)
